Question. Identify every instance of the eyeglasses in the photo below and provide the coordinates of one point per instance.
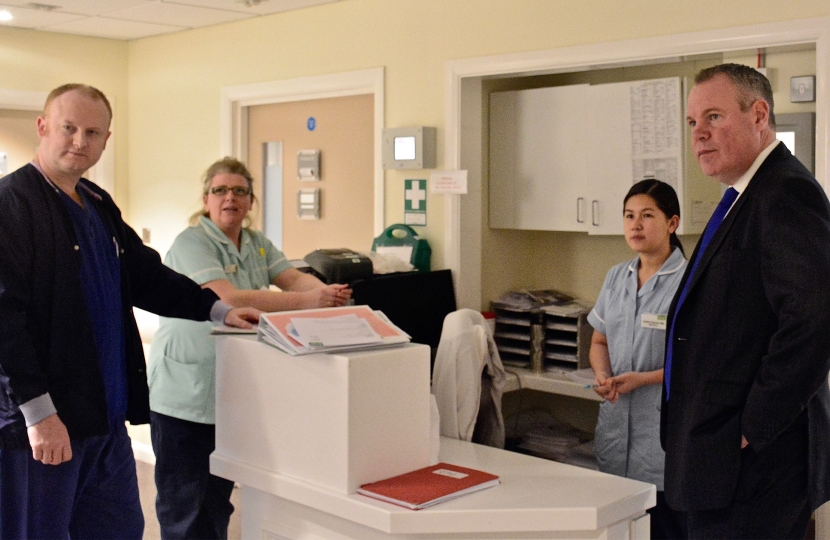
(238, 191)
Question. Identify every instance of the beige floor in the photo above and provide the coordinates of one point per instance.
(147, 490)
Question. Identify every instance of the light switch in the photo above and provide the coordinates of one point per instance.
(308, 203)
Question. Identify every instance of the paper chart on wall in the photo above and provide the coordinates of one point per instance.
(656, 130)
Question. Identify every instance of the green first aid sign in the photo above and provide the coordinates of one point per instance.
(415, 202)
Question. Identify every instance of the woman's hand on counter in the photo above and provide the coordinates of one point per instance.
(333, 295)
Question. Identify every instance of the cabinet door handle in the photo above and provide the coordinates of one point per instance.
(580, 210)
(595, 213)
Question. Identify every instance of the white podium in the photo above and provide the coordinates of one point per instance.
(291, 431)
(335, 420)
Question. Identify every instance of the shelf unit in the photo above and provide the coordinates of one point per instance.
(512, 336)
(565, 336)
(519, 378)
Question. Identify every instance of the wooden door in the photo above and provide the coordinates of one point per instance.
(342, 129)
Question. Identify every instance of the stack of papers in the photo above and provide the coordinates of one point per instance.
(329, 330)
(430, 485)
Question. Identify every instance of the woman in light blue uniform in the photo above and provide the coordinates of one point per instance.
(239, 264)
(628, 345)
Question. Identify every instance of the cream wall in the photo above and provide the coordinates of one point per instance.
(18, 136)
(41, 61)
(175, 80)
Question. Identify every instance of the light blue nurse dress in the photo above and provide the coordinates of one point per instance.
(627, 438)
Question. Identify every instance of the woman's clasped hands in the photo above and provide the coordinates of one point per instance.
(610, 388)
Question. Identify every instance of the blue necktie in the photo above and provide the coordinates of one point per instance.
(724, 205)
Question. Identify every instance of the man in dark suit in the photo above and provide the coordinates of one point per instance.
(745, 420)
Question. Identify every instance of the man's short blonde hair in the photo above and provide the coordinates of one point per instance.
(85, 90)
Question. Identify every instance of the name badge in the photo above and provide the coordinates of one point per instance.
(654, 321)
(230, 269)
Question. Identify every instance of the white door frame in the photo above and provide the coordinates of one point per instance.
(22, 100)
(463, 106)
(235, 101)
(103, 172)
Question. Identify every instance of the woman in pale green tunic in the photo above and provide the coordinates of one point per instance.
(238, 264)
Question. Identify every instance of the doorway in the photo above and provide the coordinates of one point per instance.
(466, 148)
(237, 100)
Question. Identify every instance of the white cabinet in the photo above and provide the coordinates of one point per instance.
(534, 185)
(608, 165)
(562, 158)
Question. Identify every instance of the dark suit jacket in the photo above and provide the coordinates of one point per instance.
(752, 341)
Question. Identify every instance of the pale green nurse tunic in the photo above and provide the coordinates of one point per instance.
(182, 362)
(627, 438)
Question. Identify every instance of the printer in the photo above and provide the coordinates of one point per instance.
(339, 265)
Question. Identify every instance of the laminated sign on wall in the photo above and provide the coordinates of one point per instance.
(415, 202)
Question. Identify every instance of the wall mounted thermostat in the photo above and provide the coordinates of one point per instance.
(308, 165)
(409, 148)
(308, 203)
(4, 163)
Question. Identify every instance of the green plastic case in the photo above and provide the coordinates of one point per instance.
(399, 235)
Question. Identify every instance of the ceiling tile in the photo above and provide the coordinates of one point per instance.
(79, 7)
(261, 7)
(112, 28)
(134, 19)
(178, 15)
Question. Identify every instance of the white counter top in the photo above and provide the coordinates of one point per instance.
(551, 382)
(534, 495)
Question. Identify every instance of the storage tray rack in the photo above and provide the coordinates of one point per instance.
(512, 336)
(565, 335)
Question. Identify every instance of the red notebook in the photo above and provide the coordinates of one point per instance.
(430, 485)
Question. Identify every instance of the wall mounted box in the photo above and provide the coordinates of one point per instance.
(308, 203)
(803, 89)
(308, 165)
(334, 420)
(409, 148)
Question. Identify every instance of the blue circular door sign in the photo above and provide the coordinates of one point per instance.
(312, 123)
